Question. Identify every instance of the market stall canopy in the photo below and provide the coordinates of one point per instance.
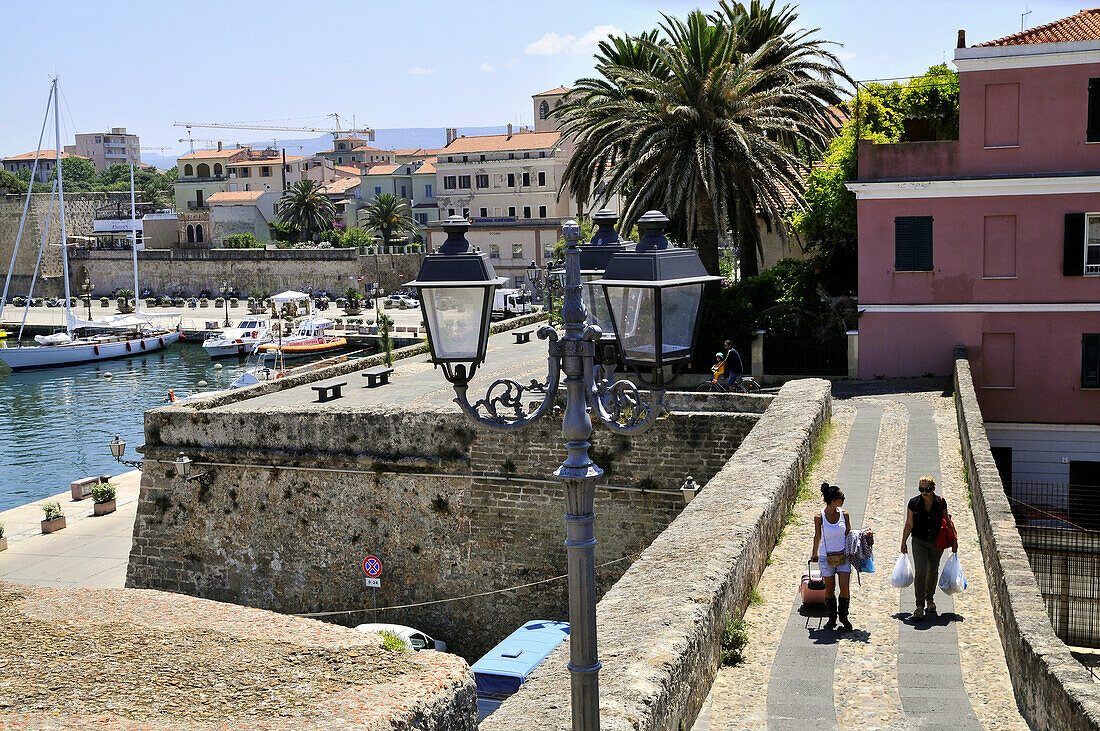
(289, 296)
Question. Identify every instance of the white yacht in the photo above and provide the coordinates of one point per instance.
(240, 340)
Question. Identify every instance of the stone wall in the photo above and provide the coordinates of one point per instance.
(188, 271)
(79, 214)
(300, 497)
(1053, 689)
(661, 624)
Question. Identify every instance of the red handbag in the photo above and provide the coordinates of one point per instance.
(947, 536)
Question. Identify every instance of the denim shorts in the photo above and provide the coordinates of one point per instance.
(827, 570)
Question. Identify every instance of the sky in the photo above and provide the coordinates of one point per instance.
(146, 64)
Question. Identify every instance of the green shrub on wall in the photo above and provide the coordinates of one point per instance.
(242, 241)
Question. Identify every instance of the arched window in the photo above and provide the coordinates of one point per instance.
(190, 234)
(203, 170)
(557, 104)
(217, 168)
(544, 109)
(188, 170)
(198, 233)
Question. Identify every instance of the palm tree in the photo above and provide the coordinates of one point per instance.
(705, 121)
(304, 206)
(387, 215)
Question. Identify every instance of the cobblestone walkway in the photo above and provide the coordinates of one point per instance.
(947, 671)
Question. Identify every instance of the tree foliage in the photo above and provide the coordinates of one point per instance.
(708, 118)
(12, 183)
(388, 216)
(878, 113)
(245, 240)
(305, 206)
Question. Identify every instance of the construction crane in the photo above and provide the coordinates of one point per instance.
(192, 140)
(160, 149)
(280, 128)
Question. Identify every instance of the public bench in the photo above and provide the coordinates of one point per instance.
(377, 376)
(83, 488)
(522, 336)
(329, 391)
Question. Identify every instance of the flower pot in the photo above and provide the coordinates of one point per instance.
(104, 508)
(3, 544)
(52, 526)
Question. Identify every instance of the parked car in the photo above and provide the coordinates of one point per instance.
(414, 638)
(501, 671)
(402, 302)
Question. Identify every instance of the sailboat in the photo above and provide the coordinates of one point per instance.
(113, 337)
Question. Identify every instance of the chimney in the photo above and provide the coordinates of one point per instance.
(509, 130)
(962, 39)
(219, 145)
(451, 134)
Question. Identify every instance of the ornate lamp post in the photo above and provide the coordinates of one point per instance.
(456, 285)
(86, 290)
(225, 299)
(118, 448)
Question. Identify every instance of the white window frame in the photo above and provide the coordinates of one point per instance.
(1091, 270)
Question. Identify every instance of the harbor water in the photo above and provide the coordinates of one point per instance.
(56, 423)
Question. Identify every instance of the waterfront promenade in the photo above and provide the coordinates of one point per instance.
(945, 672)
(91, 551)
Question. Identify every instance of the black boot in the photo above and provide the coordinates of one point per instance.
(830, 607)
(844, 603)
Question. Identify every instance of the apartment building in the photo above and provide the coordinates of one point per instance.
(992, 241)
(116, 147)
(47, 160)
(351, 150)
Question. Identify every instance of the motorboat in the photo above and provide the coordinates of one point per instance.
(240, 340)
(113, 337)
(309, 338)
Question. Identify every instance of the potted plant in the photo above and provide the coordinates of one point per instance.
(204, 302)
(54, 518)
(233, 302)
(3, 540)
(151, 302)
(103, 495)
(352, 296)
(219, 302)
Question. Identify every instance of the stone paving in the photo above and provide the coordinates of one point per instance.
(945, 672)
(91, 551)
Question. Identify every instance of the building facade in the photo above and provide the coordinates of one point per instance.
(351, 150)
(47, 160)
(992, 241)
(116, 147)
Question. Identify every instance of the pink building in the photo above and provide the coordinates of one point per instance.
(993, 242)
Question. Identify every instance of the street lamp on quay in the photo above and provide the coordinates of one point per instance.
(86, 290)
(652, 294)
(225, 299)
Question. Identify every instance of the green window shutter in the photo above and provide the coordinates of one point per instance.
(1073, 253)
(1092, 133)
(1090, 360)
(913, 244)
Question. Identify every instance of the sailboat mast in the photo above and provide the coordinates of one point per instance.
(61, 208)
(134, 241)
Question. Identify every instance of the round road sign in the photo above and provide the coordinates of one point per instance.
(372, 567)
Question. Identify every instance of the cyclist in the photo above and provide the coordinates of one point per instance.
(732, 366)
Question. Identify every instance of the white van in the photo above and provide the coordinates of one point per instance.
(510, 302)
(414, 638)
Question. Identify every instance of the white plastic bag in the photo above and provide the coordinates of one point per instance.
(952, 580)
(903, 572)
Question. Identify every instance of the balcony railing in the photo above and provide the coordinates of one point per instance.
(196, 206)
(193, 179)
(1092, 269)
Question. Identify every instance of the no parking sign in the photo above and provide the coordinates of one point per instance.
(372, 567)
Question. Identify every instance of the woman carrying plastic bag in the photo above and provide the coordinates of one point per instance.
(928, 521)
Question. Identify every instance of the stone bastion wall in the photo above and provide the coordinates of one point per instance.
(300, 497)
(1053, 689)
(660, 626)
(189, 271)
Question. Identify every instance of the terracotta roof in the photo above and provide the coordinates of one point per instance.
(496, 143)
(424, 169)
(416, 151)
(1084, 26)
(340, 186)
(348, 170)
(383, 169)
(205, 154)
(554, 92)
(229, 197)
(42, 155)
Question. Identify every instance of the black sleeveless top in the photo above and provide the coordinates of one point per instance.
(926, 523)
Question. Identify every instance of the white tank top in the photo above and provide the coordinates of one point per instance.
(832, 534)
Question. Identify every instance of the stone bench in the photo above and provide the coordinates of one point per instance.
(329, 391)
(83, 488)
(377, 376)
(522, 336)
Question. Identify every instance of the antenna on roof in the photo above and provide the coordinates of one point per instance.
(1023, 16)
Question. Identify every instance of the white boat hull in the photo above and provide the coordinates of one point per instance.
(46, 356)
(221, 349)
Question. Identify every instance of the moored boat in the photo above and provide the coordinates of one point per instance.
(309, 338)
(239, 341)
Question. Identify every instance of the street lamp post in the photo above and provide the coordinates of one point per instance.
(225, 300)
(456, 285)
(86, 289)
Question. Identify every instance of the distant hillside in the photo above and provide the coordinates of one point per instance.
(396, 139)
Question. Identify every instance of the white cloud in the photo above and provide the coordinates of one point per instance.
(486, 67)
(552, 44)
(417, 71)
(845, 55)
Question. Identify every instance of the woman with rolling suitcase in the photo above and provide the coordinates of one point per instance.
(831, 528)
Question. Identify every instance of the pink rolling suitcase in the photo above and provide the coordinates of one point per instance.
(813, 586)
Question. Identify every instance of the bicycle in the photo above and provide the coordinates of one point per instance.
(716, 384)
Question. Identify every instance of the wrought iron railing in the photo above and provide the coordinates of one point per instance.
(1059, 525)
